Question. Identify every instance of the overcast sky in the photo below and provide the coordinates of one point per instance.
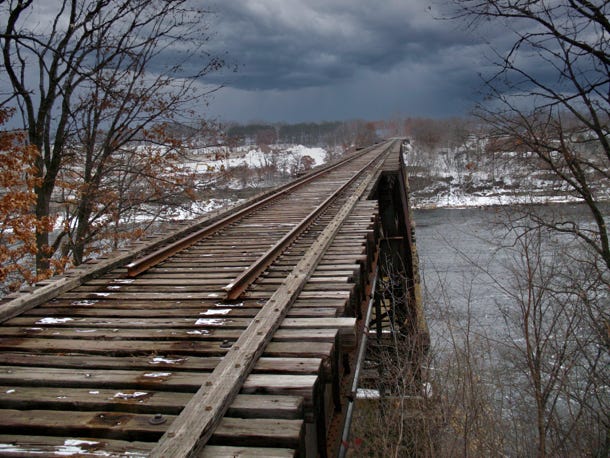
(316, 60)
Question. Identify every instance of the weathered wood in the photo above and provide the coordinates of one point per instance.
(290, 331)
(196, 423)
(285, 384)
(50, 446)
(132, 348)
(273, 365)
(187, 382)
(114, 425)
(124, 426)
(20, 302)
(154, 258)
(97, 379)
(317, 281)
(259, 433)
(144, 402)
(141, 323)
(103, 399)
(264, 406)
(178, 312)
(216, 451)
(237, 287)
(318, 295)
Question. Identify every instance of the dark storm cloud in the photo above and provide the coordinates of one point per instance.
(308, 60)
(290, 44)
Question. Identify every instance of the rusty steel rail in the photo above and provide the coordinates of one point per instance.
(170, 364)
(191, 430)
(146, 262)
(237, 287)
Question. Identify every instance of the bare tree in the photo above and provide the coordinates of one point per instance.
(554, 315)
(550, 98)
(534, 384)
(551, 95)
(91, 78)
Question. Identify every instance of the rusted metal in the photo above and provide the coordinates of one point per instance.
(143, 264)
(157, 419)
(237, 287)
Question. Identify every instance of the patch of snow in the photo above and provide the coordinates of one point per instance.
(460, 200)
(74, 447)
(157, 374)
(12, 448)
(222, 304)
(216, 312)
(161, 360)
(209, 321)
(134, 395)
(50, 320)
(84, 303)
(364, 393)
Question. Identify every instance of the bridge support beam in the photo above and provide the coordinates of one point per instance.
(396, 330)
(399, 306)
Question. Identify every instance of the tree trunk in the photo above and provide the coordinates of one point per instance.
(82, 227)
(43, 209)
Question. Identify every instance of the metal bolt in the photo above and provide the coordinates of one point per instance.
(225, 344)
(157, 419)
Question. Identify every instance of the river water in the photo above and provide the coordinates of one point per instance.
(479, 360)
(458, 257)
(464, 265)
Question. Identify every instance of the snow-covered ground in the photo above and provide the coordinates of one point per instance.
(467, 178)
(462, 200)
(220, 169)
(217, 159)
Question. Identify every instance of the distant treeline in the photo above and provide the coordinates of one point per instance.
(312, 134)
(323, 134)
(431, 134)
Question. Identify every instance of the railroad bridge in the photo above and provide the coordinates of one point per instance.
(238, 334)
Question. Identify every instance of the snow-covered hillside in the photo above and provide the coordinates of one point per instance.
(468, 177)
(285, 156)
(224, 175)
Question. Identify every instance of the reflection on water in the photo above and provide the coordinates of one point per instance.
(517, 342)
(463, 264)
(457, 249)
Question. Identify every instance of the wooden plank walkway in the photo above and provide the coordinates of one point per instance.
(162, 361)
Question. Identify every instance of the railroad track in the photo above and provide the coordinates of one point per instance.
(230, 337)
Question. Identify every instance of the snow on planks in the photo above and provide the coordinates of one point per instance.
(108, 364)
